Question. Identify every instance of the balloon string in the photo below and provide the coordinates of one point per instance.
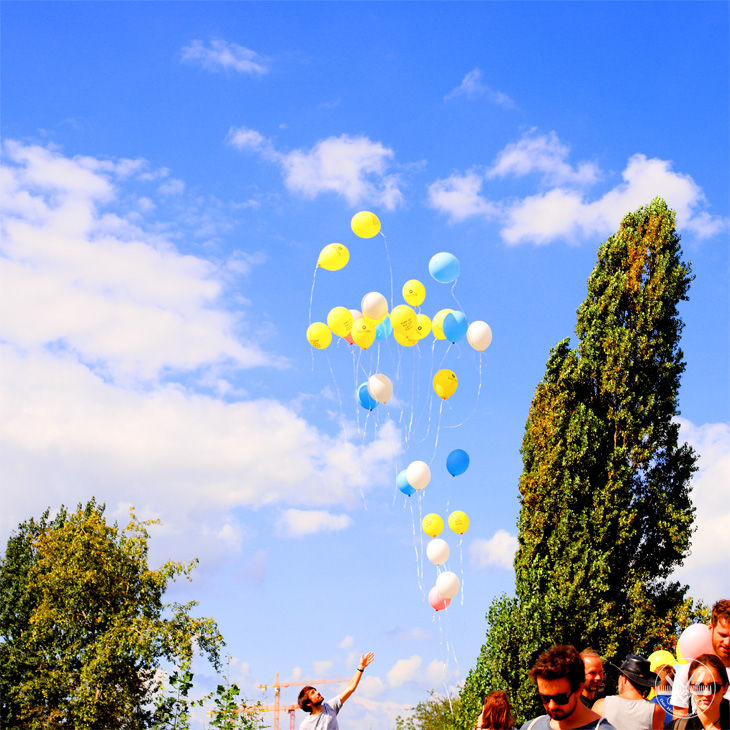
(461, 309)
(390, 268)
(461, 566)
(419, 569)
(311, 294)
(476, 402)
(438, 431)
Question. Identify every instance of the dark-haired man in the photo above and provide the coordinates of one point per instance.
(720, 637)
(323, 715)
(560, 676)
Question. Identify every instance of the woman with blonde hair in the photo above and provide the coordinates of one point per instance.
(496, 713)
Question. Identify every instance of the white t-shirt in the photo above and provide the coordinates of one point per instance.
(680, 688)
(325, 720)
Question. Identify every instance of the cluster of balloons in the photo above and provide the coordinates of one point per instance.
(413, 479)
(375, 320)
(438, 551)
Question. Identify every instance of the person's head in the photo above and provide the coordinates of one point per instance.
(559, 675)
(309, 697)
(708, 683)
(497, 712)
(720, 630)
(593, 665)
(635, 673)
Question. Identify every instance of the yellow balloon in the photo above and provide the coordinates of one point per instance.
(459, 522)
(319, 335)
(423, 326)
(414, 292)
(365, 224)
(339, 320)
(444, 383)
(404, 320)
(404, 340)
(437, 324)
(333, 257)
(363, 333)
(433, 525)
(659, 658)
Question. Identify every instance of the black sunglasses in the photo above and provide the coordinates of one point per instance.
(561, 699)
(710, 688)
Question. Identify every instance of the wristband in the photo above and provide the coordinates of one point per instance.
(360, 670)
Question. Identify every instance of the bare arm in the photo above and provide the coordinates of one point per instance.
(365, 659)
(658, 719)
(680, 711)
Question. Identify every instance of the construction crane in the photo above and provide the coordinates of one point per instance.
(277, 685)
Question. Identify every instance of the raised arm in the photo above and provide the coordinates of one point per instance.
(365, 659)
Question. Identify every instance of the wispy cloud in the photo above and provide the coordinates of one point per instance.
(355, 168)
(298, 522)
(562, 207)
(111, 337)
(472, 86)
(221, 55)
(498, 551)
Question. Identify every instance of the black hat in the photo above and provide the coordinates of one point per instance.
(638, 670)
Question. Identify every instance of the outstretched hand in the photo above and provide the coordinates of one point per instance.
(365, 659)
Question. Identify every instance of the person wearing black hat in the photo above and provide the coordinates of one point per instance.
(630, 710)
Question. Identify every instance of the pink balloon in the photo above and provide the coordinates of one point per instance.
(437, 601)
(695, 640)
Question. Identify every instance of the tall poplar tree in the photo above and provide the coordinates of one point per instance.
(606, 513)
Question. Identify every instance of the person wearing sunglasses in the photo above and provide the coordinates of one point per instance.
(560, 676)
(708, 683)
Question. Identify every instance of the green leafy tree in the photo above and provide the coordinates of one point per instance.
(83, 624)
(435, 713)
(606, 513)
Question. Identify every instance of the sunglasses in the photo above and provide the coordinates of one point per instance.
(712, 688)
(561, 699)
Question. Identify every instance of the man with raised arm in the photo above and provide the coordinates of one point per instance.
(323, 715)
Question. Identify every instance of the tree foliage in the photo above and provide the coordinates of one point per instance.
(435, 713)
(606, 513)
(83, 626)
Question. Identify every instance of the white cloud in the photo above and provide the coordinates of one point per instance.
(564, 210)
(405, 670)
(298, 522)
(707, 570)
(355, 168)
(323, 668)
(92, 282)
(99, 318)
(499, 550)
(472, 86)
(460, 197)
(222, 55)
(546, 155)
(347, 642)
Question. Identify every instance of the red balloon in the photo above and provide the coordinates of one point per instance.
(437, 601)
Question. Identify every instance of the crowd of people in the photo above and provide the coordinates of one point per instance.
(570, 686)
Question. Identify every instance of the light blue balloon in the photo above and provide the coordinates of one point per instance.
(365, 399)
(444, 267)
(383, 329)
(403, 485)
(457, 462)
(455, 326)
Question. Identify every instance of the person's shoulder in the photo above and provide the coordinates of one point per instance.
(537, 723)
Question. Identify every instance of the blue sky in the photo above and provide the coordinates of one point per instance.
(171, 172)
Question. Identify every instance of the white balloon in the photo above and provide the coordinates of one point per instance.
(438, 551)
(479, 335)
(447, 584)
(418, 475)
(375, 306)
(380, 388)
(356, 314)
